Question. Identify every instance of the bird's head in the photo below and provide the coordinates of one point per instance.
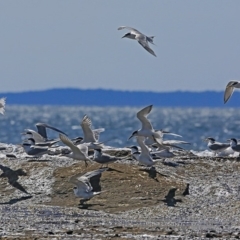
(209, 139)
(126, 35)
(135, 133)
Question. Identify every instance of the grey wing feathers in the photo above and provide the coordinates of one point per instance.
(87, 131)
(129, 28)
(228, 91)
(84, 179)
(142, 116)
(216, 147)
(68, 142)
(42, 129)
(145, 45)
(96, 133)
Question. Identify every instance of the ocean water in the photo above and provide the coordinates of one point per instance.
(194, 124)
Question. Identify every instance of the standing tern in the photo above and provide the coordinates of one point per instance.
(144, 157)
(104, 158)
(147, 129)
(140, 37)
(2, 105)
(79, 152)
(85, 188)
(135, 152)
(234, 144)
(216, 146)
(229, 89)
(41, 135)
(32, 150)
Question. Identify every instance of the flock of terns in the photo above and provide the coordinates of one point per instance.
(151, 148)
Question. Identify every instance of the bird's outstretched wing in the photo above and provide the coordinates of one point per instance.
(86, 125)
(2, 105)
(145, 45)
(142, 116)
(41, 127)
(133, 30)
(229, 90)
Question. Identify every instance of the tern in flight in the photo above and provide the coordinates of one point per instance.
(2, 105)
(140, 37)
(229, 89)
(147, 129)
(87, 185)
(79, 152)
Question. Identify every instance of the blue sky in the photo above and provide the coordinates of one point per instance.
(50, 44)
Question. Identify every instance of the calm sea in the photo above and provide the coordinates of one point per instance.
(194, 124)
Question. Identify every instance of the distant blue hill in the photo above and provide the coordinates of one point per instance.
(100, 97)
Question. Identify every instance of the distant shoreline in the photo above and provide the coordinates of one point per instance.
(101, 97)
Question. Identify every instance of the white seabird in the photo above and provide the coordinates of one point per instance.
(140, 37)
(147, 129)
(234, 144)
(79, 152)
(144, 157)
(215, 146)
(2, 105)
(229, 89)
(33, 150)
(90, 136)
(104, 158)
(84, 188)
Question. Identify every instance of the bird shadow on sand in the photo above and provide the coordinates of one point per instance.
(170, 199)
(38, 160)
(13, 176)
(15, 200)
(88, 205)
(113, 170)
(152, 173)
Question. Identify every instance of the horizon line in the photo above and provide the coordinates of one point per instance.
(113, 90)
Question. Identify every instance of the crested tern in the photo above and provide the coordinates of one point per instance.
(147, 129)
(90, 136)
(229, 89)
(234, 144)
(140, 37)
(79, 152)
(144, 157)
(2, 105)
(150, 140)
(84, 188)
(216, 146)
(31, 149)
(103, 158)
(41, 135)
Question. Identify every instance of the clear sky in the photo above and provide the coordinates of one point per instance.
(75, 43)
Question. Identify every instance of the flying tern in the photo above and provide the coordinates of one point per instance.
(147, 129)
(229, 89)
(84, 187)
(216, 146)
(90, 136)
(2, 105)
(79, 152)
(140, 37)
